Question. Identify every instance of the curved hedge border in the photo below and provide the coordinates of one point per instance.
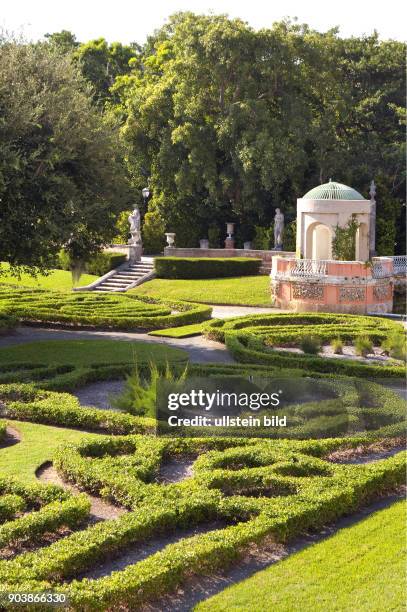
(306, 491)
(7, 321)
(97, 310)
(31, 511)
(250, 340)
(205, 267)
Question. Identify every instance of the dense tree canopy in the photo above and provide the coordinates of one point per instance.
(62, 181)
(226, 123)
(231, 123)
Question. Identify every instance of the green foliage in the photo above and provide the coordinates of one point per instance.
(310, 345)
(337, 346)
(263, 238)
(98, 264)
(153, 231)
(225, 122)
(7, 322)
(100, 310)
(101, 62)
(205, 267)
(140, 394)
(290, 236)
(363, 345)
(122, 227)
(344, 240)
(62, 180)
(214, 237)
(395, 344)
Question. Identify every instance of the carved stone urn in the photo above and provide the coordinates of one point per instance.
(170, 236)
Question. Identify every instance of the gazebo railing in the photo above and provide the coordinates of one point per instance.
(309, 268)
(399, 265)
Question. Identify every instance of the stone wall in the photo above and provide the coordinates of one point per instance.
(265, 256)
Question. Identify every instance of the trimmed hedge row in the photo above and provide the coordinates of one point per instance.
(205, 267)
(30, 511)
(99, 264)
(250, 340)
(310, 493)
(100, 310)
(26, 403)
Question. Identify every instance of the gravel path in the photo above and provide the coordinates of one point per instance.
(100, 510)
(100, 394)
(175, 470)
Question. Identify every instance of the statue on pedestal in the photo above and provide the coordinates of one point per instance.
(278, 230)
(135, 221)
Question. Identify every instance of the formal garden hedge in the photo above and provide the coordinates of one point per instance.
(241, 492)
(99, 264)
(97, 310)
(251, 340)
(205, 267)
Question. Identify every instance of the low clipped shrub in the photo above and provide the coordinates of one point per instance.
(205, 267)
(310, 345)
(123, 311)
(250, 340)
(7, 321)
(99, 264)
(337, 346)
(363, 346)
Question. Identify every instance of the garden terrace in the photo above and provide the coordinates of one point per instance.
(128, 312)
(251, 340)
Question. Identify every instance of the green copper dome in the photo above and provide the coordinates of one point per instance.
(333, 191)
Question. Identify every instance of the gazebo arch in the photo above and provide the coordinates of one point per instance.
(318, 241)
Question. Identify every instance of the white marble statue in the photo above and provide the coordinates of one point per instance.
(135, 221)
(278, 229)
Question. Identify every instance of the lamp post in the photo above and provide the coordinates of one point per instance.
(145, 192)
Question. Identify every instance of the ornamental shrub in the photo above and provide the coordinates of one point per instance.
(363, 346)
(311, 345)
(337, 346)
(395, 345)
(205, 267)
(99, 264)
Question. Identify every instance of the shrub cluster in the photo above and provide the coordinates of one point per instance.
(251, 340)
(205, 267)
(99, 264)
(100, 310)
(254, 489)
(7, 321)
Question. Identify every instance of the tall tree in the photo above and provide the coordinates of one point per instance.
(62, 181)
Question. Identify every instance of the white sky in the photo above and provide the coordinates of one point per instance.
(133, 20)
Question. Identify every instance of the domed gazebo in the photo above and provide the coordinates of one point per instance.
(313, 280)
(325, 207)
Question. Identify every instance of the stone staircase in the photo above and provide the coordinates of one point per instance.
(124, 277)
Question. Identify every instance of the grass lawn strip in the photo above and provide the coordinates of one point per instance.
(242, 291)
(57, 280)
(185, 331)
(359, 568)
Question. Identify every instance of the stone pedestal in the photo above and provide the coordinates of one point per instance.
(135, 252)
(229, 243)
(204, 243)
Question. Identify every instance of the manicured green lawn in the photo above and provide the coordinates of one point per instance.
(37, 446)
(57, 279)
(360, 568)
(185, 331)
(88, 352)
(242, 291)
